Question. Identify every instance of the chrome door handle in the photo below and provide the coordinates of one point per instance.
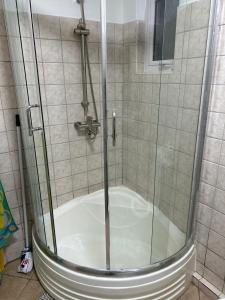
(29, 119)
(114, 128)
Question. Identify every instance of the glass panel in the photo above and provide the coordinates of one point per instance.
(24, 100)
(117, 206)
(149, 205)
(134, 96)
(28, 29)
(180, 96)
(70, 100)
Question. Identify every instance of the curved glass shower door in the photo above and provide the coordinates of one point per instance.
(154, 60)
(24, 63)
(117, 96)
(180, 104)
(132, 101)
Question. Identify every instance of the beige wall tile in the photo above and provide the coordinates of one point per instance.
(49, 27)
(53, 73)
(216, 243)
(72, 73)
(215, 263)
(57, 114)
(71, 52)
(67, 29)
(51, 51)
(55, 94)
(59, 134)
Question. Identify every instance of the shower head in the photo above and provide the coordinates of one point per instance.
(79, 1)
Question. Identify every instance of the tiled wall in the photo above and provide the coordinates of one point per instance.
(140, 116)
(9, 169)
(172, 101)
(76, 163)
(211, 217)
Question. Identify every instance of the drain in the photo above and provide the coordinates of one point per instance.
(45, 296)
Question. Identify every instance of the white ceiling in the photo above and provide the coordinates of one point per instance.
(118, 11)
(70, 8)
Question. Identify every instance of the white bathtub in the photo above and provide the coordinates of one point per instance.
(80, 234)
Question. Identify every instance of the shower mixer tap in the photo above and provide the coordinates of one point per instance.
(81, 28)
(90, 126)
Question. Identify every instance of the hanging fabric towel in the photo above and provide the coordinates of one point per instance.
(7, 226)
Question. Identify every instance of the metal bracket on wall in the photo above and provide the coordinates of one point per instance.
(29, 119)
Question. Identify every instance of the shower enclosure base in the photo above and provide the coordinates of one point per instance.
(80, 239)
(64, 284)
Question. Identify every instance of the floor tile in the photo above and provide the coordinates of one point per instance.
(11, 287)
(34, 275)
(206, 293)
(191, 294)
(31, 291)
(204, 297)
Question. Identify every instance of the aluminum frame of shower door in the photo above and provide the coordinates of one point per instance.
(45, 152)
(105, 129)
(210, 54)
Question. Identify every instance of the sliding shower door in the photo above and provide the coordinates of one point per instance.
(74, 157)
(24, 64)
(132, 107)
(155, 69)
(182, 38)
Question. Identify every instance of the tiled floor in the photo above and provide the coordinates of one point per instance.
(17, 286)
(193, 293)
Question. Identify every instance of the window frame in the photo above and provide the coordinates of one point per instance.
(149, 64)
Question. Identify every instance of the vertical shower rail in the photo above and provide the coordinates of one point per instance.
(105, 129)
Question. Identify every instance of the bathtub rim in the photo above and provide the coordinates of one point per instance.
(113, 273)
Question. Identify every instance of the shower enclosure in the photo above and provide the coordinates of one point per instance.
(113, 99)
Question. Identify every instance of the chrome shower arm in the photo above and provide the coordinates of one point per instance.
(81, 2)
